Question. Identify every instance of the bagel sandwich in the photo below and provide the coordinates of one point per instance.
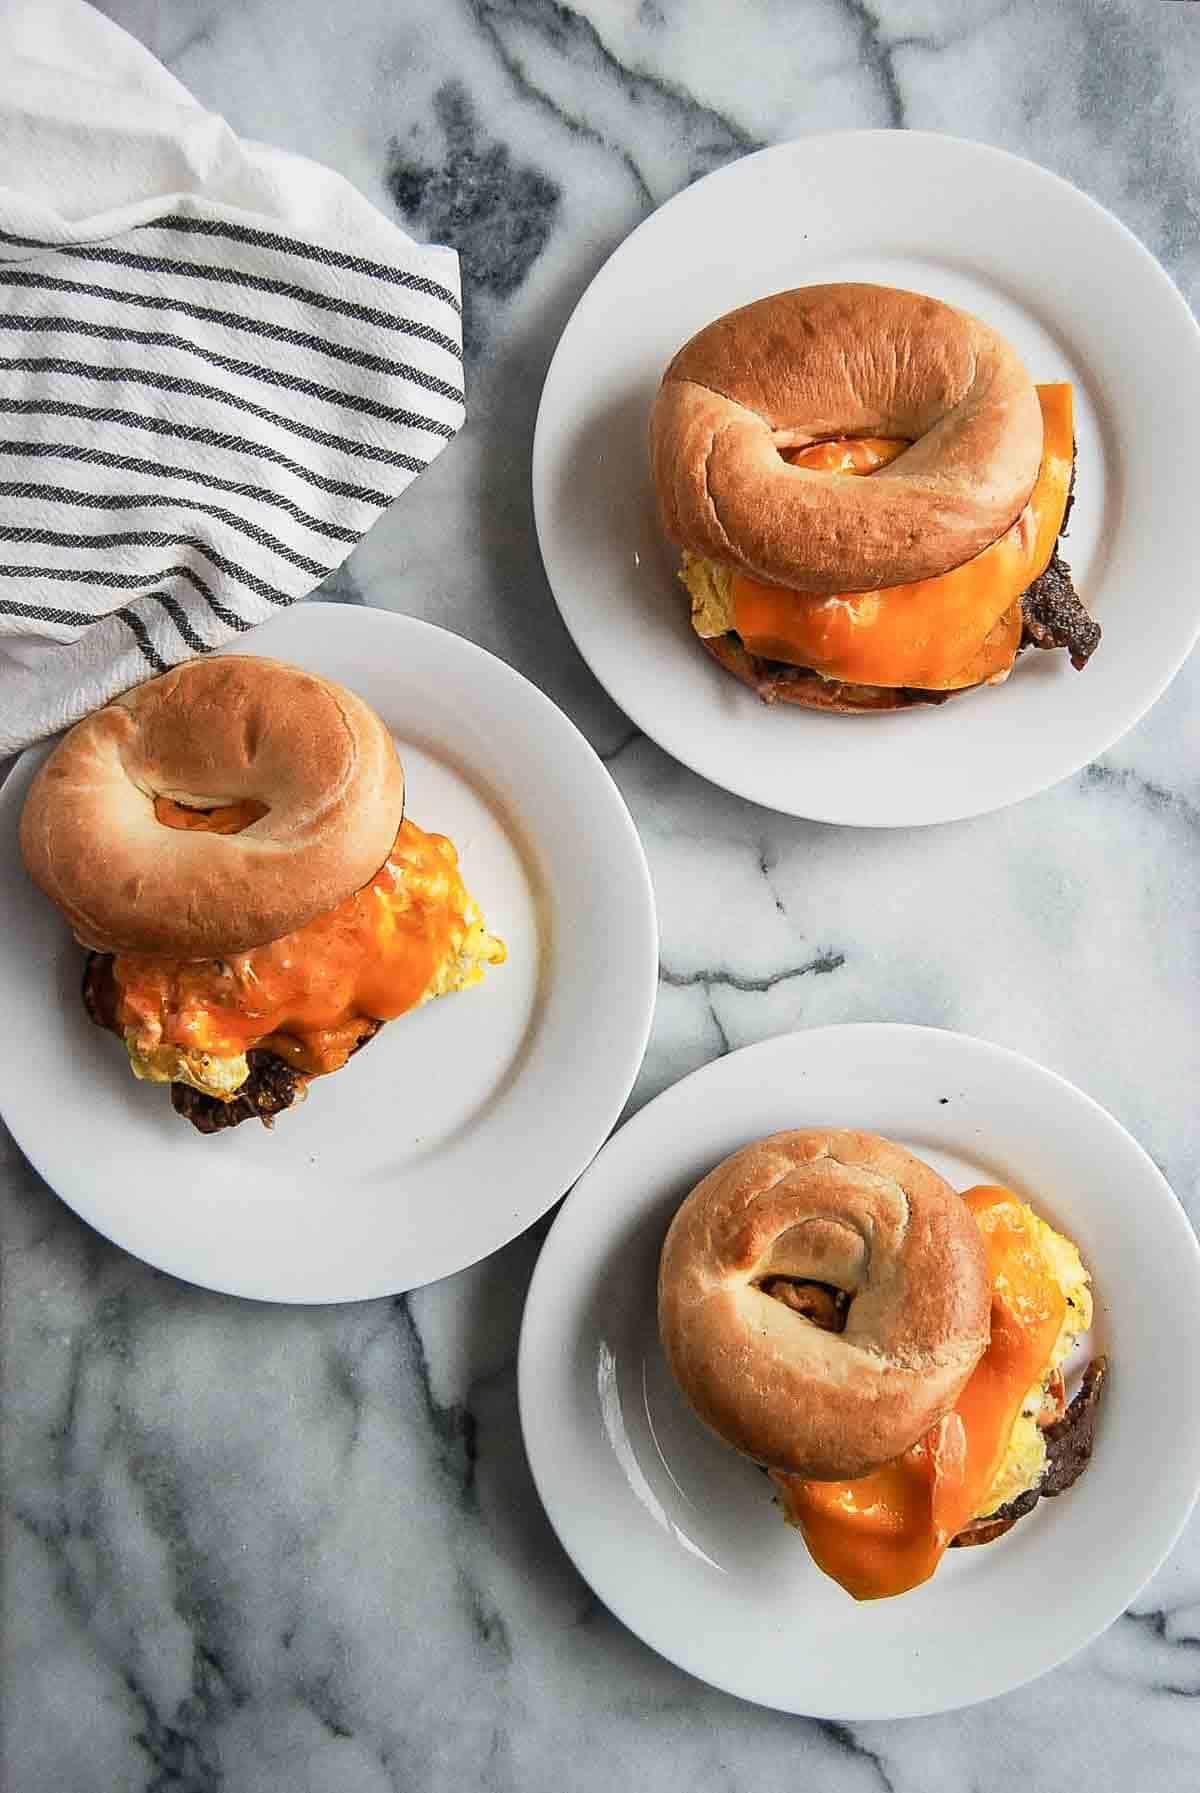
(229, 842)
(870, 495)
(892, 1353)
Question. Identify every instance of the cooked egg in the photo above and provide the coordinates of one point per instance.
(709, 586)
(205, 1071)
(1025, 1459)
(464, 967)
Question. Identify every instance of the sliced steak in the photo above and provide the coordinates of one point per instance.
(1055, 616)
(819, 1303)
(1069, 1440)
(994, 1525)
(271, 1087)
(100, 991)
(1069, 1444)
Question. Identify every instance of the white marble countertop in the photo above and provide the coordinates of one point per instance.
(271, 1550)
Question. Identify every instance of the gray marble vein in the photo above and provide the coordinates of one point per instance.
(250, 1549)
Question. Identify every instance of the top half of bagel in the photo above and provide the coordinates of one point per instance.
(311, 756)
(844, 360)
(856, 1216)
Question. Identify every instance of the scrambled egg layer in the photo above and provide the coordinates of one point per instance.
(412, 934)
(464, 968)
(709, 586)
(205, 1071)
(1025, 1459)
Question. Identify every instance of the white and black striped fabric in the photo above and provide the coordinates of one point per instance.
(203, 404)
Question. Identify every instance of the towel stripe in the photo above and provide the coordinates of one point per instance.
(99, 457)
(69, 495)
(227, 276)
(234, 320)
(43, 614)
(118, 581)
(137, 629)
(329, 258)
(56, 364)
(16, 320)
(218, 439)
(136, 581)
(179, 618)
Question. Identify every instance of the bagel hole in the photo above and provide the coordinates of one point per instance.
(209, 818)
(817, 1302)
(861, 455)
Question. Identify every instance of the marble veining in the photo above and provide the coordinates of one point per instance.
(498, 217)
(264, 1550)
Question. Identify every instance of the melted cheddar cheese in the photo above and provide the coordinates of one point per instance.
(886, 1532)
(224, 818)
(412, 933)
(959, 629)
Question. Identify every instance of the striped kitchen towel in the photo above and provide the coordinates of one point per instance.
(218, 364)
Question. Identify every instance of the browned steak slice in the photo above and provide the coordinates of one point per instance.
(271, 1087)
(100, 991)
(1069, 1441)
(1055, 616)
(1069, 1444)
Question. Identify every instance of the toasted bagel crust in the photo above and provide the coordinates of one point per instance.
(212, 732)
(838, 1207)
(844, 360)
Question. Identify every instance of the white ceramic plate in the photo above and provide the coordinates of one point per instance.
(460, 1123)
(678, 1534)
(1083, 301)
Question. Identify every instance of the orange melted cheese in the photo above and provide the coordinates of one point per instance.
(226, 818)
(886, 1532)
(848, 454)
(310, 995)
(935, 634)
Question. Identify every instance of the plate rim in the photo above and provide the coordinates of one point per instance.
(546, 1268)
(644, 956)
(952, 144)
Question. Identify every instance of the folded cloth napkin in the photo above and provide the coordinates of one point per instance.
(218, 364)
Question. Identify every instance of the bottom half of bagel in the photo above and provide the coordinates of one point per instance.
(240, 1038)
(901, 646)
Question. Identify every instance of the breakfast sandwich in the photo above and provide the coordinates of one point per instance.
(870, 496)
(891, 1352)
(230, 842)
